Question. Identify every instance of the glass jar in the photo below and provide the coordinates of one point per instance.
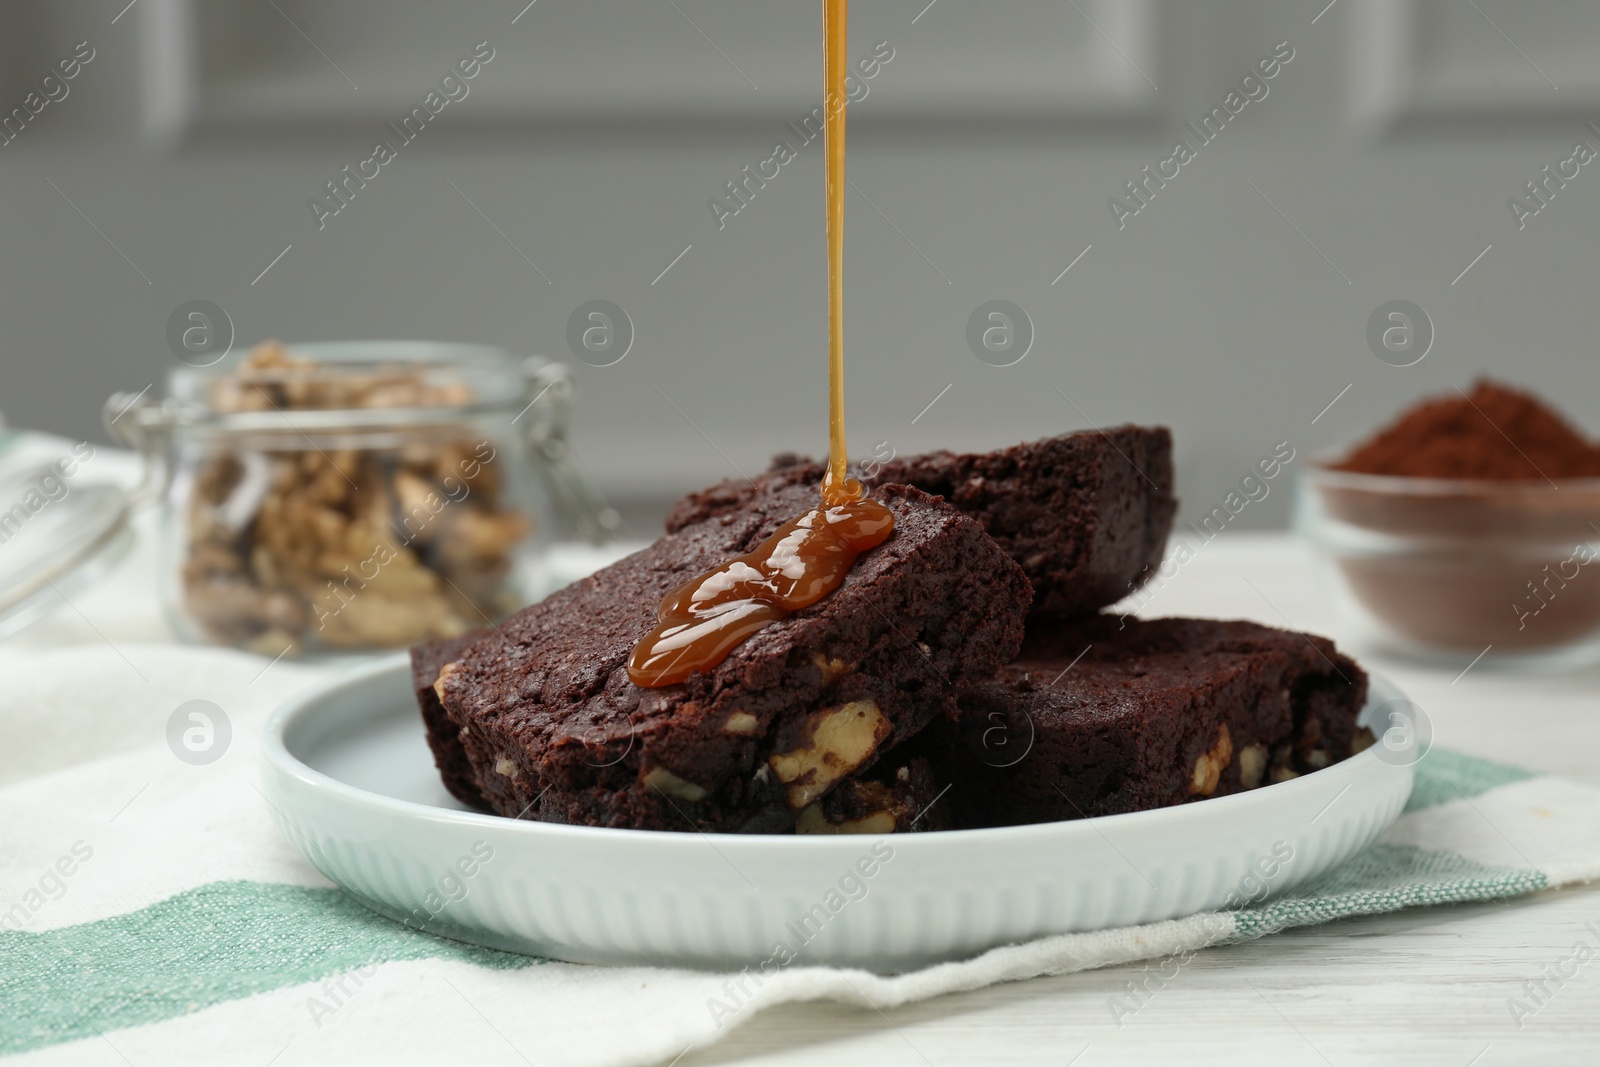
(356, 496)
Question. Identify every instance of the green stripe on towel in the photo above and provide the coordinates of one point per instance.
(1443, 776)
(220, 942)
(1387, 878)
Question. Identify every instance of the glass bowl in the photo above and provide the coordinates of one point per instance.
(1459, 566)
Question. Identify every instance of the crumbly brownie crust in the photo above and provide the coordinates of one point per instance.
(1086, 514)
(553, 729)
(1154, 713)
(443, 735)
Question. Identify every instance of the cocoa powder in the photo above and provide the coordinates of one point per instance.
(1495, 432)
(1489, 554)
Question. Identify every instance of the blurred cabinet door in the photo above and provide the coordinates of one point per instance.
(241, 65)
(1473, 64)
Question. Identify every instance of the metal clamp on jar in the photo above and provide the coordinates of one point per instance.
(355, 496)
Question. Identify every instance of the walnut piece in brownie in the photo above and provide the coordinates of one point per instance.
(898, 796)
(1155, 712)
(1086, 514)
(552, 728)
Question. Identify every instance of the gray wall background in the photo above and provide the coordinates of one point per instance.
(1381, 161)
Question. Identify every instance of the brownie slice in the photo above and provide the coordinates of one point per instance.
(1086, 514)
(553, 728)
(1108, 715)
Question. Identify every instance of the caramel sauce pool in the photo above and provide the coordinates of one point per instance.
(703, 620)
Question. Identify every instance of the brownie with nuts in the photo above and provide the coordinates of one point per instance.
(1086, 514)
(553, 729)
(1109, 715)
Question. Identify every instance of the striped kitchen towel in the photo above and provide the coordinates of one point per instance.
(149, 907)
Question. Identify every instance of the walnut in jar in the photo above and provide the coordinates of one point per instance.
(355, 538)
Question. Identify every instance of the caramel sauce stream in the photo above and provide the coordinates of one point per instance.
(701, 621)
(837, 486)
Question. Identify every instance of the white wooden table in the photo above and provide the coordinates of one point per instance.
(1421, 987)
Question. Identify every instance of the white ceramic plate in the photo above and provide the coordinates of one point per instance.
(349, 773)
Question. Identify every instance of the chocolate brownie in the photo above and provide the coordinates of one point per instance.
(1086, 514)
(553, 728)
(443, 735)
(1109, 715)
